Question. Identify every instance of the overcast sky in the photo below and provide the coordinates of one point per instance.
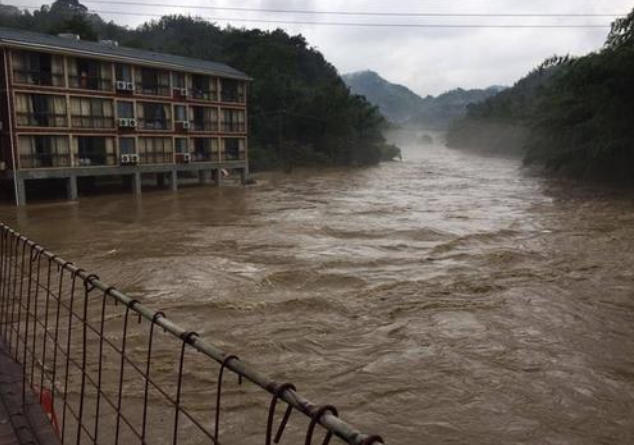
(428, 61)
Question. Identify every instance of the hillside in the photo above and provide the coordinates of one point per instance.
(402, 106)
(397, 103)
(295, 89)
(576, 113)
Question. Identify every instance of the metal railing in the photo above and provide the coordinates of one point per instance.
(90, 352)
(42, 119)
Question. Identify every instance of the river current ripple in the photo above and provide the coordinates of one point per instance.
(446, 299)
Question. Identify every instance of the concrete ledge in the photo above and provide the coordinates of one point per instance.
(20, 424)
(41, 173)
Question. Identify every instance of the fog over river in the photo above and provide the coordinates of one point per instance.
(446, 299)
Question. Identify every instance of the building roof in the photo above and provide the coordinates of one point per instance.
(9, 36)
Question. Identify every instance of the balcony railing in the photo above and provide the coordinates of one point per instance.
(31, 77)
(91, 83)
(92, 121)
(205, 125)
(94, 158)
(154, 124)
(204, 94)
(156, 157)
(42, 119)
(157, 89)
(205, 155)
(232, 96)
(233, 155)
(44, 160)
(233, 127)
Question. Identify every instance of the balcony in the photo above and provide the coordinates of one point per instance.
(153, 89)
(233, 127)
(204, 125)
(232, 96)
(92, 122)
(42, 119)
(44, 160)
(154, 124)
(233, 155)
(42, 78)
(90, 83)
(204, 94)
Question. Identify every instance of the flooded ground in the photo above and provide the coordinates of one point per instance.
(447, 299)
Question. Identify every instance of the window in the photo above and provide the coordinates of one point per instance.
(180, 113)
(154, 116)
(91, 113)
(93, 151)
(125, 110)
(204, 87)
(179, 80)
(154, 82)
(155, 150)
(40, 110)
(232, 90)
(127, 146)
(88, 74)
(123, 72)
(205, 119)
(205, 149)
(43, 151)
(37, 68)
(233, 121)
(181, 146)
(234, 149)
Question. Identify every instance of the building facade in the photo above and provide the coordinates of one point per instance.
(72, 108)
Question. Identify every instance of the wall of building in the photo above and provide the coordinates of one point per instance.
(68, 108)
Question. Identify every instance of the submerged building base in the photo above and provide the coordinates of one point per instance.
(208, 173)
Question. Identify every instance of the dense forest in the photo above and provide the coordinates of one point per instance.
(569, 115)
(300, 110)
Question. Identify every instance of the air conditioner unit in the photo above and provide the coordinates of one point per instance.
(122, 85)
(185, 125)
(122, 122)
(134, 158)
(184, 92)
(132, 123)
(130, 86)
(187, 158)
(125, 159)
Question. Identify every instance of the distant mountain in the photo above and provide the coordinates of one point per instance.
(396, 102)
(402, 106)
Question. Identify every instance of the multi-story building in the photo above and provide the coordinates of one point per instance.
(72, 108)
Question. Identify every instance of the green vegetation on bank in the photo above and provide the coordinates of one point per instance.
(570, 115)
(300, 110)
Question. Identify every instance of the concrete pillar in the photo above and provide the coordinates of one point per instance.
(174, 180)
(244, 175)
(204, 176)
(136, 183)
(20, 196)
(71, 188)
(160, 180)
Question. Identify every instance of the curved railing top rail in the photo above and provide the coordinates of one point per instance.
(325, 416)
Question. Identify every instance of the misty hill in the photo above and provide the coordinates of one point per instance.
(402, 106)
(570, 115)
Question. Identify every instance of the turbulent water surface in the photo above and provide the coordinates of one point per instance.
(447, 299)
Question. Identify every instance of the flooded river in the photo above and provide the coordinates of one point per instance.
(447, 299)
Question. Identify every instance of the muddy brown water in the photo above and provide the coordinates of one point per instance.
(447, 299)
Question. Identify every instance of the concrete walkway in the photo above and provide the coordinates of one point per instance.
(20, 425)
